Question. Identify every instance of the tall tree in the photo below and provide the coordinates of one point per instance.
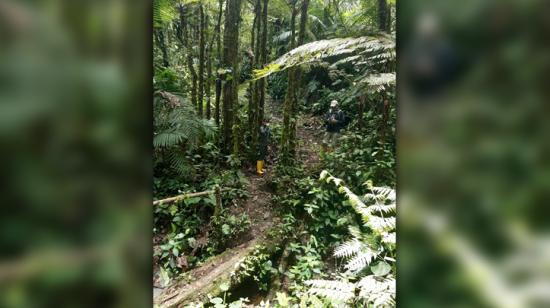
(287, 142)
(217, 32)
(208, 71)
(297, 70)
(383, 16)
(262, 62)
(186, 40)
(253, 126)
(161, 43)
(230, 64)
(202, 43)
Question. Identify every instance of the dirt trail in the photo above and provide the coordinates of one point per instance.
(309, 133)
(258, 206)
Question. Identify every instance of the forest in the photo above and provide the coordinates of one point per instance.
(262, 198)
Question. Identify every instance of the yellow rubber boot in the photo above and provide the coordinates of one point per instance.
(263, 165)
(259, 167)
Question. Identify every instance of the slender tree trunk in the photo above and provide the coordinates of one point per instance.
(189, 53)
(208, 72)
(219, 53)
(161, 43)
(202, 44)
(298, 71)
(253, 126)
(288, 108)
(382, 15)
(263, 61)
(230, 87)
(388, 18)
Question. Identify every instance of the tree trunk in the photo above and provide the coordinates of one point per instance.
(208, 73)
(230, 63)
(263, 61)
(202, 44)
(253, 126)
(388, 18)
(159, 38)
(298, 71)
(290, 98)
(219, 53)
(382, 15)
(189, 54)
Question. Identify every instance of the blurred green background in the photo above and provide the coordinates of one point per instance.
(75, 137)
(473, 176)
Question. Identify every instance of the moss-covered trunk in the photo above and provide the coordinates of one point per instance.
(202, 43)
(262, 62)
(253, 126)
(230, 86)
(289, 117)
(161, 43)
(184, 23)
(219, 54)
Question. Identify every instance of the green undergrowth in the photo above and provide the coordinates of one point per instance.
(179, 230)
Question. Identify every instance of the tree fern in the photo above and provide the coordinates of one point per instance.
(366, 257)
(364, 48)
(175, 122)
(177, 129)
(164, 11)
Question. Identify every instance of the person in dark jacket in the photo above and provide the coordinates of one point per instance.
(334, 120)
(265, 135)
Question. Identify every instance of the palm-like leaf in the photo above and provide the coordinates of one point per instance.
(369, 49)
(361, 252)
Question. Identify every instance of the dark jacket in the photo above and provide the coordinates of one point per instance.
(265, 135)
(338, 115)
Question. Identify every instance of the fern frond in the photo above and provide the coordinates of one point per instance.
(389, 238)
(385, 209)
(377, 290)
(348, 248)
(318, 50)
(163, 12)
(168, 138)
(377, 212)
(180, 162)
(384, 192)
(335, 291)
(381, 225)
(360, 261)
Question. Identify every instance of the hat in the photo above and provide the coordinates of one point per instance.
(333, 103)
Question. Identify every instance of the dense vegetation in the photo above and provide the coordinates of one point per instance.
(220, 69)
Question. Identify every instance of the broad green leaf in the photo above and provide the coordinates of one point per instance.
(226, 229)
(224, 287)
(191, 201)
(380, 268)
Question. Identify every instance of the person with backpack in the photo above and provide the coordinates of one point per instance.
(334, 121)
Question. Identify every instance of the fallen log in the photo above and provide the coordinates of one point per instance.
(224, 268)
(188, 195)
